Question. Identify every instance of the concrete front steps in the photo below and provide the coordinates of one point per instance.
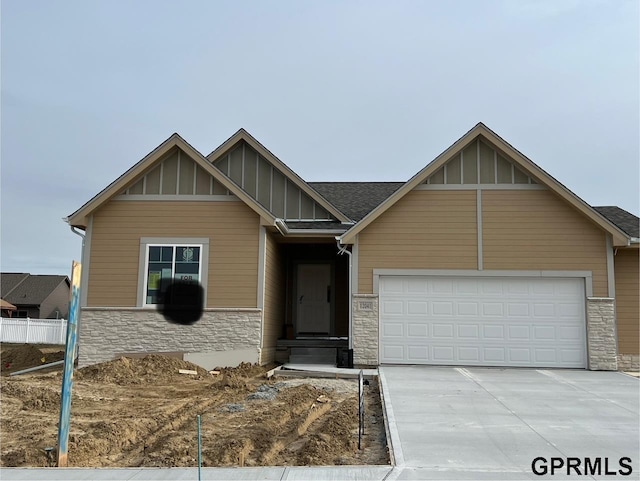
(313, 355)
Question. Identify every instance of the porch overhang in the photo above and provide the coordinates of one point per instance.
(328, 229)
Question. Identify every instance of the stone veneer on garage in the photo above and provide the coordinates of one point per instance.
(601, 334)
(106, 333)
(365, 329)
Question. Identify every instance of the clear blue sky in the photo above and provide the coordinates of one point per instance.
(338, 90)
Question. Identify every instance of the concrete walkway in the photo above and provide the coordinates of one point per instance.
(347, 473)
(483, 423)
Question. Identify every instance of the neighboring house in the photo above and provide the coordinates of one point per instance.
(35, 296)
(481, 258)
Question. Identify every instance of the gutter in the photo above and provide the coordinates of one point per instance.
(344, 250)
(282, 227)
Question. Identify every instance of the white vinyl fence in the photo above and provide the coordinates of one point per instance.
(33, 331)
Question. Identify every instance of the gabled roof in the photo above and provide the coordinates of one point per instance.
(619, 237)
(31, 290)
(356, 199)
(243, 135)
(79, 217)
(625, 221)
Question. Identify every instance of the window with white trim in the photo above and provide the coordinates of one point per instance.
(165, 263)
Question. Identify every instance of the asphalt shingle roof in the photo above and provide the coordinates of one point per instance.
(9, 280)
(356, 199)
(29, 290)
(625, 221)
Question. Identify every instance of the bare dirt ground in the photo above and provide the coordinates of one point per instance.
(142, 412)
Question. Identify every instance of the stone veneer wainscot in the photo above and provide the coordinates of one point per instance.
(106, 333)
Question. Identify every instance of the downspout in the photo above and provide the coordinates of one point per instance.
(344, 250)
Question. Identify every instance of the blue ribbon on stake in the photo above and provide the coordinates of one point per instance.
(69, 358)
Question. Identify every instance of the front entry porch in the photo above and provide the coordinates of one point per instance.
(307, 304)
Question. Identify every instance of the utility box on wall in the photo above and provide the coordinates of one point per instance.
(345, 357)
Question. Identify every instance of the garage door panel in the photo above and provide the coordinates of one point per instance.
(442, 331)
(443, 354)
(518, 309)
(466, 331)
(543, 333)
(418, 354)
(468, 354)
(492, 309)
(483, 321)
(393, 329)
(418, 330)
(518, 356)
(516, 332)
(442, 308)
(493, 332)
(544, 310)
(468, 309)
(494, 354)
(392, 307)
(417, 307)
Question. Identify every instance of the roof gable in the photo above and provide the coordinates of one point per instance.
(290, 178)
(479, 163)
(145, 167)
(269, 185)
(175, 174)
(487, 136)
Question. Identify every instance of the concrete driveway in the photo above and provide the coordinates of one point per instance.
(491, 423)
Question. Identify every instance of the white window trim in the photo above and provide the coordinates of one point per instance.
(143, 270)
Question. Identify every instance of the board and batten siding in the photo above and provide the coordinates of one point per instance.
(627, 268)
(423, 230)
(536, 230)
(274, 285)
(231, 227)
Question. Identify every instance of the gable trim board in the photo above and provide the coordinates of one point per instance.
(619, 237)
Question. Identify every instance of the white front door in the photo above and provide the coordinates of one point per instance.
(313, 312)
(475, 321)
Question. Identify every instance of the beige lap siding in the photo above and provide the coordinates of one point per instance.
(423, 230)
(535, 230)
(273, 299)
(627, 270)
(231, 227)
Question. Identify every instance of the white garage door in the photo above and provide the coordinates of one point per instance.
(516, 321)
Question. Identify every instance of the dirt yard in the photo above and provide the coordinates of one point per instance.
(142, 412)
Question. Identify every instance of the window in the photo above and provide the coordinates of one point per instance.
(164, 262)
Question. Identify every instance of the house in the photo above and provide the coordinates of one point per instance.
(35, 296)
(481, 258)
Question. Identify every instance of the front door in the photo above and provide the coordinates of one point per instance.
(313, 312)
